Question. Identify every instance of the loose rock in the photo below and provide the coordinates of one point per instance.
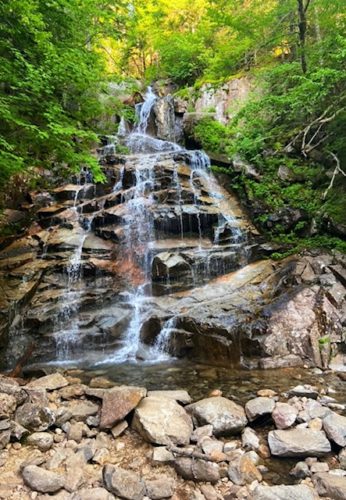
(162, 421)
(224, 415)
(297, 492)
(298, 443)
(34, 417)
(284, 415)
(330, 485)
(123, 483)
(119, 402)
(334, 426)
(250, 440)
(8, 405)
(197, 470)
(259, 407)
(42, 480)
(49, 382)
(43, 440)
(162, 487)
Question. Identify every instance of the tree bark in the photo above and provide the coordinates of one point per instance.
(302, 28)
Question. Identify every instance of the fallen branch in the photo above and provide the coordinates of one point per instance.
(191, 454)
(307, 144)
(337, 170)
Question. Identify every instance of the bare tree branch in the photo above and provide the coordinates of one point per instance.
(307, 144)
(337, 170)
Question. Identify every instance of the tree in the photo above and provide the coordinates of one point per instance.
(302, 28)
(51, 76)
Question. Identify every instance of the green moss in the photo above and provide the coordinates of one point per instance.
(297, 245)
(335, 207)
(212, 135)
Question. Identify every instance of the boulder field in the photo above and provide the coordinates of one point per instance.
(65, 439)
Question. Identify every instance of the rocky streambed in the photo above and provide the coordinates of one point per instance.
(69, 436)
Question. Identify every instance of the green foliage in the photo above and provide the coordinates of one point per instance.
(212, 135)
(51, 79)
(323, 341)
(182, 58)
(296, 245)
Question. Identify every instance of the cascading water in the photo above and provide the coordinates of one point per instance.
(139, 234)
(172, 228)
(144, 111)
(67, 327)
(140, 225)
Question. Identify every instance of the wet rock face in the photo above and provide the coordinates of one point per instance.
(66, 282)
(161, 224)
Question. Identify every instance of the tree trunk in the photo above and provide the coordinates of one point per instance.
(302, 26)
(318, 34)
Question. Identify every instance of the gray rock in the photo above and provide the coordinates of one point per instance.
(74, 478)
(319, 467)
(5, 437)
(118, 429)
(56, 459)
(5, 425)
(224, 415)
(296, 492)
(163, 487)
(162, 456)
(76, 431)
(92, 494)
(102, 456)
(334, 426)
(209, 492)
(34, 417)
(80, 410)
(259, 407)
(342, 458)
(123, 483)
(11, 387)
(210, 445)
(42, 480)
(162, 421)
(181, 396)
(298, 443)
(300, 470)
(249, 439)
(62, 416)
(8, 405)
(201, 432)
(197, 470)
(43, 440)
(49, 382)
(307, 391)
(330, 485)
(314, 409)
(231, 446)
(284, 415)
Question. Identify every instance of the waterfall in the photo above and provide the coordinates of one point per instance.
(136, 251)
(165, 197)
(140, 227)
(144, 110)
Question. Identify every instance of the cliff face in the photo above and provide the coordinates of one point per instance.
(161, 261)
